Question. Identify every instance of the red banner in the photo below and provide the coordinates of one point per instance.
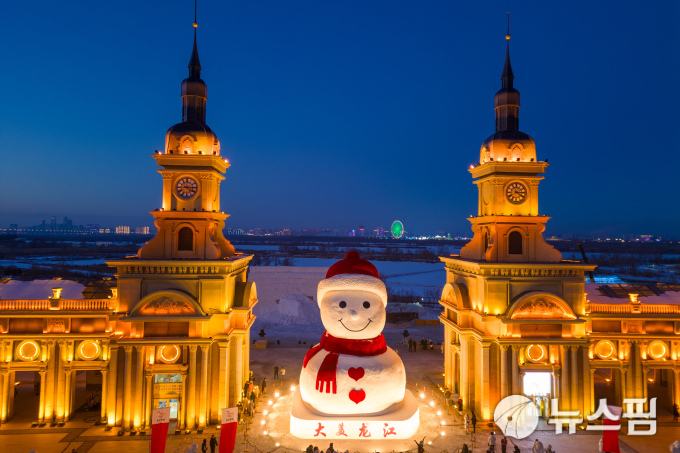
(228, 429)
(610, 437)
(160, 420)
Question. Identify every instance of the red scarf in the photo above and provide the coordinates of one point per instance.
(329, 366)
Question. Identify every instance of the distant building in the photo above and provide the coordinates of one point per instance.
(142, 230)
(124, 229)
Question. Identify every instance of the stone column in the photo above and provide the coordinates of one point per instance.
(191, 392)
(181, 417)
(5, 395)
(456, 372)
(52, 363)
(139, 388)
(587, 389)
(676, 387)
(504, 370)
(622, 395)
(448, 354)
(68, 384)
(127, 389)
(485, 394)
(464, 369)
(60, 383)
(515, 371)
(645, 386)
(105, 394)
(236, 365)
(148, 401)
(565, 403)
(41, 405)
(203, 395)
(112, 383)
(592, 389)
(223, 375)
(574, 379)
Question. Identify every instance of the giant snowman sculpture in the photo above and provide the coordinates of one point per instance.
(352, 385)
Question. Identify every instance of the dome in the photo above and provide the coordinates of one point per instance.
(508, 145)
(191, 138)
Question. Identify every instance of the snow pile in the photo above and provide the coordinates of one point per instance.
(40, 289)
(287, 295)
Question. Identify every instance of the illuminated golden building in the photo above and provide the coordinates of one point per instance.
(521, 320)
(175, 331)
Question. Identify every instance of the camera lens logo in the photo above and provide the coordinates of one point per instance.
(516, 416)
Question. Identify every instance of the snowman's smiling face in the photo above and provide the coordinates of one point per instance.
(352, 314)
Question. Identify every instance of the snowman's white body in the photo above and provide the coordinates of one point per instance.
(370, 397)
(383, 383)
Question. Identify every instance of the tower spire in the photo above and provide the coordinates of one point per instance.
(506, 102)
(194, 90)
(194, 62)
(507, 69)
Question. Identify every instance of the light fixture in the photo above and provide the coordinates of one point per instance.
(422, 395)
(292, 388)
(276, 395)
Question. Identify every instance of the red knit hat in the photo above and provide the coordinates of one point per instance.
(352, 264)
(352, 273)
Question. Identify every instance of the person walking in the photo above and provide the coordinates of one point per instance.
(504, 445)
(283, 374)
(473, 420)
(309, 449)
(676, 412)
(276, 371)
(213, 443)
(264, 385)
(466, 422)
(204, 446)
(492, 442)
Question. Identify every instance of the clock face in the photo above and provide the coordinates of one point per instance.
(516, 193)
(186, 187)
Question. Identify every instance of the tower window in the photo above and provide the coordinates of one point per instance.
(185, 239)
(515, 243)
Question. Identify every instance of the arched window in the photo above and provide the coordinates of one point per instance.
(185, 239)
(515, 243)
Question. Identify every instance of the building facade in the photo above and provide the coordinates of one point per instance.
(174, 331)
(521, 320)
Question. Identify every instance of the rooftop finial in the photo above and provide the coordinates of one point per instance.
(508, 35)
(194, 63)
(507, 69)
(196, 21)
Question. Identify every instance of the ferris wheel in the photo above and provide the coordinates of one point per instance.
(397, 229)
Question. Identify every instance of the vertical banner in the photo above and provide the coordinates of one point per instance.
(610, 437)
(160, 419)
(228, 429)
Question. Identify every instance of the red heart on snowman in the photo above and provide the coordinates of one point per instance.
(356, 373)
(357, 396)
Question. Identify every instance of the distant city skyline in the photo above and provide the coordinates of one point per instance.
(338, 115)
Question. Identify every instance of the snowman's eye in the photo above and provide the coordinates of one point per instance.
(367, 304)
(343, 304)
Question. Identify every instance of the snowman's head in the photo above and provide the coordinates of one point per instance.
(352, 299)
(352, 314)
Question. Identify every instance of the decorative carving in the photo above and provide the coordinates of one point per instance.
(167, 174)
(539, 308)
(634, 326)
(167, 306)
(56, 325)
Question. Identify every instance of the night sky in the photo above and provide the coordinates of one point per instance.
(336, 114)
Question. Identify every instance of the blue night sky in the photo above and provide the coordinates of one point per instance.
(342, 113)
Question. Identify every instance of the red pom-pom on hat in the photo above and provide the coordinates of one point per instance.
(353, 264)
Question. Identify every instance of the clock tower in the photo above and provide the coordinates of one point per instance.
(189, 221)
(182, 325)
(513, 310)
(508, 227)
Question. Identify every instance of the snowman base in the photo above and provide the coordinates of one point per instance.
(399, 422)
